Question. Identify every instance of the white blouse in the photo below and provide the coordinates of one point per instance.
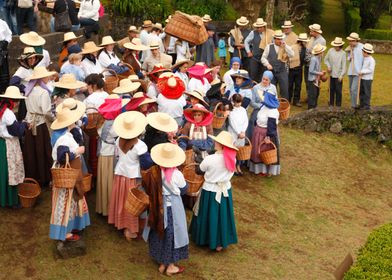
(152, 91)
(89, 67)
(238, 122)
(7, 119)
(215, 169)
(195, 84)
(23, 73)
(108, 58)
(177, 182)
(65, 140)
(227, 78)
(38, 105)
(94, 100)
(128, 164)
(264, 114)
(173, 107)
(107, 148)
(45, 60)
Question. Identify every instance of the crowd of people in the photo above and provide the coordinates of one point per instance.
(161, 111)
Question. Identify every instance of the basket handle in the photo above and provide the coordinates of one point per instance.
(216, 107)
(263, 142)
(183, 137)
(67, 164)
(129, 66)
(30, 180)
(250, 143)
(192, 19)
(110, 71)
(91, 108)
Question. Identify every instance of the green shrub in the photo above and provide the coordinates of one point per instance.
(156, 10)
(352, 18)
(378, 34)
(375, 258)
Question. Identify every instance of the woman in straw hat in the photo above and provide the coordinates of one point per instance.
(70, 41)
(127, 88)
(242, 85)
(314, 75)
(213, 221)
(69, 208)
(198, 80)
(180, 69)
(132, 53)
(90, 63)
(142, 103)
(32, 39)
(166, 231)
(265, 132)
(66, 87)
(196, 97)
(12, 169)
(36, 149)
(108, 58)
(161, 128)
(133, 156)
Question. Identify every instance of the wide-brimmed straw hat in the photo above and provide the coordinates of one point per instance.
(241, 73)
(124, 101)
(316, 28)
(278, 34)
(224, 138)
(133, 28)
(181, 62)
(158, 26)
(206, 18)
(147, 23)
(338, 42)
(90, 47)
(287, 24)
(167, 155)
(162, 122)
(198, 94)
(40, 72)
(126, 86)
(259, 23)
(303, 37)
(135, 44)
(242, 21)
(69, 81)
(170, 86)
(146, 100)
(32, 39)
(368, 48)
(70, 36)
(107, 40)
(353, 37)
(158, 68)
(154, 45)
(130, 124)
(67, 113)
(12, 92)
(317, 49)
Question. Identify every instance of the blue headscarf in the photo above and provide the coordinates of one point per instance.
(235, 59)
(269, 75)
(270, 100)
(56, 134)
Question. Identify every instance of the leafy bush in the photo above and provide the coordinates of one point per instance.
(352, 18)
(375, 258)
(378, 34)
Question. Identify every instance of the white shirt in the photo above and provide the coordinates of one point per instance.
(182, 51)
(45, 60)
(23, 73)
(238, 122)
(38, 105)
(145, 39)
(65, 140)
(105, 59)
(196, 84)
(227, 78)
(128, 164)
(215, 169)
(107, 149)
(177, 182)
(246, 92)
(173, 107)
(152, 91)
(94, 100)
(7, 120)
(264, 114)
(5, 32)
(89, 67)
(264, 58)
(89, 9)
(367, 71)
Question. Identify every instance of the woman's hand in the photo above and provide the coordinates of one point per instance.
(80, 150)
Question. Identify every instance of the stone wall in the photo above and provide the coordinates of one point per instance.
(381, 46)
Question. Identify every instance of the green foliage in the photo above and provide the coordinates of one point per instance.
(371, 10)
(315, 8)
(375, 258)
(352, 18)
(215, 8)
(378, 34)
(384, 22)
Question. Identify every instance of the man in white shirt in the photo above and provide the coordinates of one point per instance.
(5, 39)
(355, 56)
(366, 74)
(145, 36)
(275, 58)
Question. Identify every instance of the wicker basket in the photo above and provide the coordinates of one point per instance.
(188, 28)
(195, 181)
(218, 120)
(189, 158)
(270, 156)
(111, 81)
(137, 202)
(284, 109)
(86, 182)
(95, 121)
(125, 75)
(245, 151)
(28, 191)
(65, 177)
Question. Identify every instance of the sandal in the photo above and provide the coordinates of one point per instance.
(180, 270)
(73, 238)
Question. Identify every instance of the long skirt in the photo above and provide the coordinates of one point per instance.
(214, 225)
(255, 164)
(37, 155)
(8, 194)
(93, 159)
(118, 215)
(162, 250)
(104, 183)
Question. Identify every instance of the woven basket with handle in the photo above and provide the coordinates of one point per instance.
(64, 177)
(125, 75)
(270, 156)
(28, 191)
(284, 109)
(219, 118)
(245, 151)
(111, 81)
(189, 158)
(94, 121)
(194, 180)
(137, 202)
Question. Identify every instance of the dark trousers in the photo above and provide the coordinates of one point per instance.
(174, 57)
(365, 93)
(282, 78)
(335, 92)
(313, 94)
(256, 69)
(306, 73)
(90, 26)
(245, 63)
(25, 15)
(295, 84)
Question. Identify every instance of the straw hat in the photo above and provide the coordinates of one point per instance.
(167, 155)
(259, 23)
(40, 72)
(196, 108)
(124, 101)
(316, 28)
(29, 52)
(107, 40)
(162, 122)
(146, 100)
(303, 37)
(242, 21)
(154, 45)
(69, 81)
(32, 39)
(198, 94)
(353, 37)
(287, 24)
(338, 42)
(158, 25)
(67, 113)
(147, 23)
(241, 73)
(181, 62)
(12, 92)
(368, 48)
(70, 36)
(224, 138)
(129, 125)
(134, 29)
(90, 47)
(158, 68)
(278, 34)
(206, 18)
(317, 49)
(135, 44)
(126, 86)
(168, 19)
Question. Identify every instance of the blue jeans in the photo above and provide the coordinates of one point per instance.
(25, 15)
(90, 26)
(353, 82)
(73, 29)
(10, 18)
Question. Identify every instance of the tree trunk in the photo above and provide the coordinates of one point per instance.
(269, 18)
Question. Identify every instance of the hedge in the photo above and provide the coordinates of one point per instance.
(378, 34)
(375, 257)
(352, 18)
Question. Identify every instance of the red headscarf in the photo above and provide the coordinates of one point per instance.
(4, 104)
(229, 156)
(207, 118)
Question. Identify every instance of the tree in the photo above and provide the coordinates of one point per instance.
(269, 11)
(371, 10)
